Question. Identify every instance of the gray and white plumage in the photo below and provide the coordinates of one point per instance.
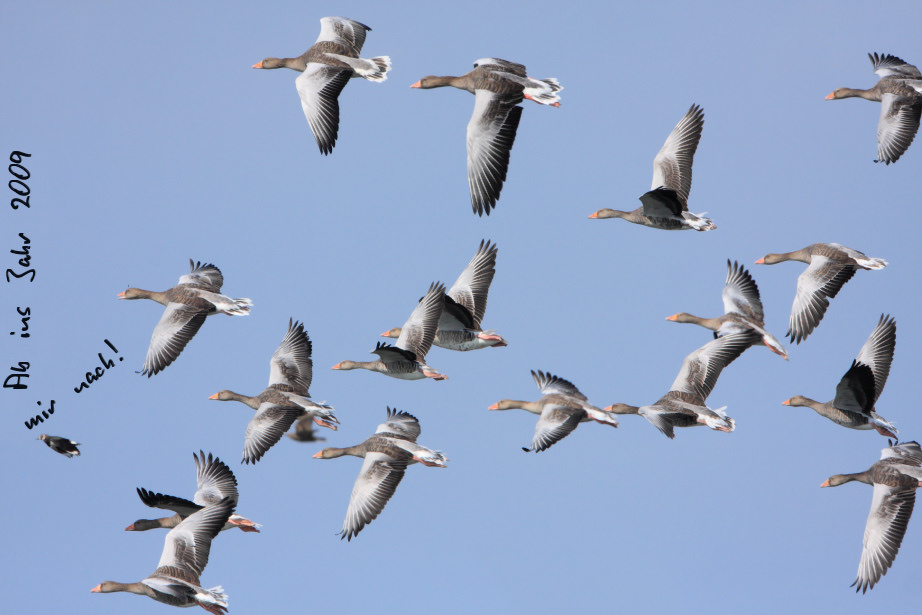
(195, 297)
(895, 479)
(386, 455)
(66, 447)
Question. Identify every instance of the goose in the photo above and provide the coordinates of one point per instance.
(214, 481)
(185, 555)
(665, 206)
(387, 454)
(895, 479)
(899, 92)
(830, 266)
(304, 431)
(285, 399)
(465, 304)
(499, 86)
(862, 384)
(684, 404)
(197, 296)
(66, 447)
(325, 70)
(742, 311)
(561, 408)
(406, 359)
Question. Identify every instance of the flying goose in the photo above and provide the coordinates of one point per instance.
(830, 266)
(684, 404)
(862, 384)
(742, 311)
(387, 454)
(895, 479)
(185, 555)
(899, 92)
(197, 296)
(465, 304)
(285, 399)
(561, 408)
(66, 447)
(665, 206)
(326, 69)
(214, 482)
(499, 87)
(406, 359)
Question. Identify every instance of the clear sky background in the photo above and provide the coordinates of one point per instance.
(153, 142)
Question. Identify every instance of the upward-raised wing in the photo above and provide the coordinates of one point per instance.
(672, 167)
(345, 32)
(741, 294)
(400, 423)
(214, 480)
(188, 544)
(471, 288)
(291, 362)
(205, 276)
(418, 331)
(549, 384)
(892, 66)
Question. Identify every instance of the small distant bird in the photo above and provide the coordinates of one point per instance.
(831, 265)
(325, 70)
(895, 479)
(285, 399)
(665, 206)
(197, 296)
(862, 384)
(499, 86)
(185, 555)
(465, 305)
(215, 481)
(742, 311)
(561, 408)
(304, 431)
(899, 92)
(387, 454)
(406, 359)
(61, 445)
(684, 404)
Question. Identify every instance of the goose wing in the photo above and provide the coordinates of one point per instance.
(291, 362)
(345, 32)
(471, 288)
(672, 167)
(897, 126)
(418, 331)
(883, 534)
(892, 66)
(214, 480)
(548, 384)
(205, 276)
(821, 280)
(178, 324)
(168, 502)
(701, 368)
(188, 544)
(319, 87)
(490, 135)
(267, 427)
(400, 423)
(741, 294)
(555, 423)
(376, 483)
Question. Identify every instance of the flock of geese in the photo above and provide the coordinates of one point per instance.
(452, 319)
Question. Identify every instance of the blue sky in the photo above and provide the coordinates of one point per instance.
(153, 142)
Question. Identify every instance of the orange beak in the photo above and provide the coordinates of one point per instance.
(336, 366)
(121, 295)
(825, 483)
(831, 96)
(417, 84)
(786, 402)
(386, 334)
(494, 407)
(673, 318)
(594, 216)
(130, 528)
(97, 589)
(761, 261)
(318, 455)
(215, 396)
(258, 65)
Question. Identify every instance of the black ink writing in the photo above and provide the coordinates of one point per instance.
(20, 173)
(23, 368)
(98, 373)
(38, 417)
(25, 321)
(23, 262)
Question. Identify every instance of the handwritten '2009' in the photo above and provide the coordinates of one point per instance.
(20, 175)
